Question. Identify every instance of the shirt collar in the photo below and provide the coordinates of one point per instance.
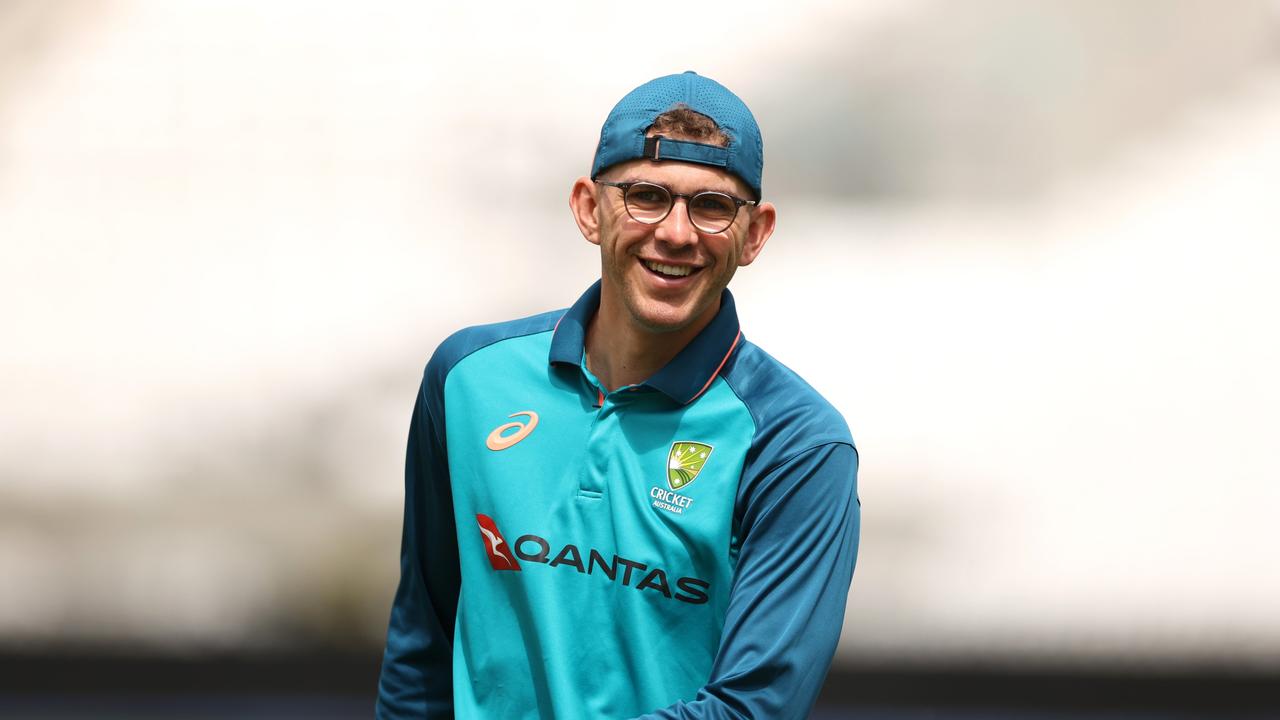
(689, 373)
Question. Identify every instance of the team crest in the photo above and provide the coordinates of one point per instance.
(685, 461)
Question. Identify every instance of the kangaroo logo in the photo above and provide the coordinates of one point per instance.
(496, 546)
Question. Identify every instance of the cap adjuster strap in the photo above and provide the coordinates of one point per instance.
(662, 148)
(653, 147)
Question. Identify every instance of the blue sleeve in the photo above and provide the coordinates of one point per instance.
(416, 679)
(800, 539)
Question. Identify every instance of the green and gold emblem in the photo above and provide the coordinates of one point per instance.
(685, 462)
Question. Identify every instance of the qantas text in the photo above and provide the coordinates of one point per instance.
(620, 570)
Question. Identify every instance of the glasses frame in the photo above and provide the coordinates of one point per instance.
(625, 187)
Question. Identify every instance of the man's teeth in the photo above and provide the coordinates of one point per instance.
(677, 270)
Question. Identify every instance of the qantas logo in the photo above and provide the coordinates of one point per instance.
(496, 546)
(587, 561)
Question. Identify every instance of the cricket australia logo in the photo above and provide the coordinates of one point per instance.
(684, 462)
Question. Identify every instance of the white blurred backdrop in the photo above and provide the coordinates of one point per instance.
(1028, 249)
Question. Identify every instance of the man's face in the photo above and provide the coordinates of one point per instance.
(669, 275)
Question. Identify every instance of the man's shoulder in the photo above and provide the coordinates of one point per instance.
(470, 340)
(786, 409)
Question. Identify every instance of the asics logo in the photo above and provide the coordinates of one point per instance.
(497, 441)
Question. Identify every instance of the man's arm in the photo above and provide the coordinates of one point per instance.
(800, 539)
(416, 678)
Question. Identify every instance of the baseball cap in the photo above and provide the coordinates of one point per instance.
(622, 136)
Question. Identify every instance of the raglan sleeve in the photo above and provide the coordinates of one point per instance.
(416, 678)
(799, 525)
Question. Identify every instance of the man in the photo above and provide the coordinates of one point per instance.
(625, 508)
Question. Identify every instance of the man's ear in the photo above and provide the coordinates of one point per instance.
(763, 219)
(584, 206)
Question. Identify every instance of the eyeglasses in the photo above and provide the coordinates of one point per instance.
(649, 203)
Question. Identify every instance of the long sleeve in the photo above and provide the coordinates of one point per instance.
(800, 540)
(416, 679)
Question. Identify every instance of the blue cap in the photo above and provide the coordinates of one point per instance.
(622, 136)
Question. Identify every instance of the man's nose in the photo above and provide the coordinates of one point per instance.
(675, 228)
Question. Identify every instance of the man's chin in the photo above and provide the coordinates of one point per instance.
(662, 318)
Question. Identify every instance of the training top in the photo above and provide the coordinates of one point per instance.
(680, 548)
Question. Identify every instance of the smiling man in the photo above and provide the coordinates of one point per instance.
(626, 509)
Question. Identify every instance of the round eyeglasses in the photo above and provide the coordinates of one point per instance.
(650, 203)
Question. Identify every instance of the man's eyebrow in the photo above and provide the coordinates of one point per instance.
(726, 190)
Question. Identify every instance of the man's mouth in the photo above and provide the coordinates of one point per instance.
(672, 271)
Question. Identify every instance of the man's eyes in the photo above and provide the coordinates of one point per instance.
(648, 196)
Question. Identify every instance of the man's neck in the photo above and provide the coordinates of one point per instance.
(620, 353)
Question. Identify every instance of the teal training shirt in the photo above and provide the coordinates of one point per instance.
(681, 548)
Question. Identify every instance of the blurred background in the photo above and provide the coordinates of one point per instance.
(1027, 248)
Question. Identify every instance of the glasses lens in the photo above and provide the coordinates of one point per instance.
(648, 203)
(712, 211)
